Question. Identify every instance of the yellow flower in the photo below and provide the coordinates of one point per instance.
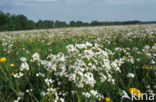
(107, 99)
(3, 59)
(12, 65)
(19, 40)
(91, 36)
(146, 67)
(11, 74)
(135, 92)
(30, 41)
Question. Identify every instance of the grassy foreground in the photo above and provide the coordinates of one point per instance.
(92, 64)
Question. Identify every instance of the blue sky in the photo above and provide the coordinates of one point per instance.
(85, 10)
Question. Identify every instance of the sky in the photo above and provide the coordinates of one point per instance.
(84, 10)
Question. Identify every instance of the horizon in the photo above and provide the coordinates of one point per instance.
(82, 10)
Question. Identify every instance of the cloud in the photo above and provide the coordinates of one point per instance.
(46, 0)
(117, 2)
(120, 1)
(36, 0)
(78, 2)
(20, 4)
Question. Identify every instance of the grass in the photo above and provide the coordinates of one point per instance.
(126, 47)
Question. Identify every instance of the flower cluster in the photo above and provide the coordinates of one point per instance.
(77, 64)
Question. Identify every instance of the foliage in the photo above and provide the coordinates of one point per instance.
(10, 22)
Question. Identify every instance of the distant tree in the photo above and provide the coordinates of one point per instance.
(10, 22)
(31, 24)
(59, 24)
(20, 22)
(94, 23)
(4, 21)
(44, 24)
(72, 23)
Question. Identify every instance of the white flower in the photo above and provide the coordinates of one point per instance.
(81, 46)
(88, 44)
(40, 74)
(138, 59)
(72, 77)
(23, 59)
(29, 90)
(130, 75)
(103, 77)
(24, 66)
(148, 86)
(36, 57)
(146, 47)
(62, 100)
(71, 48)
(89, 79)
(48, 81)
(87, 94)
(154, 47)
(18, 75)
(18, 99)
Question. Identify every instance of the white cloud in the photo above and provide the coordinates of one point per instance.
(36, 0)
(46, 0)
(119, 1)
(77, 2)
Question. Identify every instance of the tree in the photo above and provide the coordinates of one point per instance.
(59, 24)
(4, 21)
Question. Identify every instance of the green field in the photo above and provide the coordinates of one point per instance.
(86, 64)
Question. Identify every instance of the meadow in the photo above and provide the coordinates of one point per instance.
(85, 64)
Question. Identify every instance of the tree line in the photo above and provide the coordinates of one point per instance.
(9, 22)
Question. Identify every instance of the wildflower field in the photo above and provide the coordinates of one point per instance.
(86, 64)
